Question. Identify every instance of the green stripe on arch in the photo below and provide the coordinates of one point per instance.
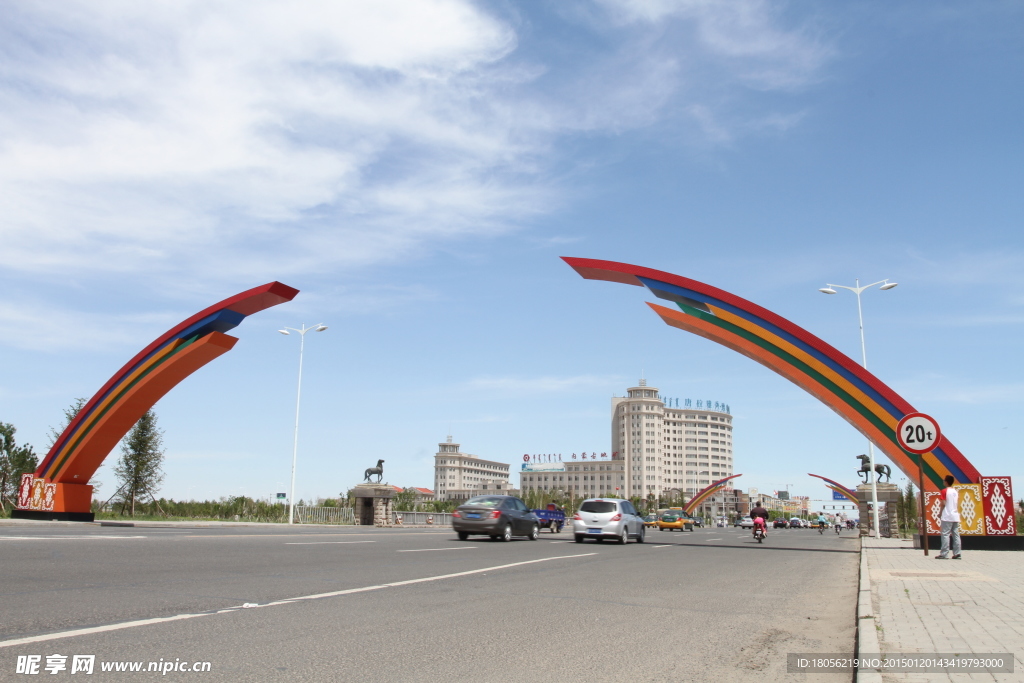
(808, 371)
(118, 393)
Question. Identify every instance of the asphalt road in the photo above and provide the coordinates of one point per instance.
(392, 605)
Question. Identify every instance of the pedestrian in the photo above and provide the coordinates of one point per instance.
(950, 520)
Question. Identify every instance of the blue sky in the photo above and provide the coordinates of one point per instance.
(416, 170)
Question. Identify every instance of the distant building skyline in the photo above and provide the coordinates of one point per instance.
(458, 475)
(655, 449)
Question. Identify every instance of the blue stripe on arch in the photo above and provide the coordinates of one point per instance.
(670, 292)
(221, 321)
(941, 456)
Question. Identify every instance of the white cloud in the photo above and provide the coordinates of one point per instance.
(41, 327)
(147, 135)
(748, 33)
(235, 139)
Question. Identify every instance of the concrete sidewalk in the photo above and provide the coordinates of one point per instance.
(912, 604)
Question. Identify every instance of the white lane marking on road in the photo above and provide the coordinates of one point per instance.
(712, 539)
(324, 542)
(427, 550)
(287, 601)
(659, 546)
(61, 538)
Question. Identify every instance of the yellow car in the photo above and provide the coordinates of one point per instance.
(651, 520)
(675, 519)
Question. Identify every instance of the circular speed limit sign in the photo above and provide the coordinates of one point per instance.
(918, 433)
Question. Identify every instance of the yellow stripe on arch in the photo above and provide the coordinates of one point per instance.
(116, 393)
(863, 399)
(695, 325)
(840, 381)
(844, 493)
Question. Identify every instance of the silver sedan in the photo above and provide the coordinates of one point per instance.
(601, 518)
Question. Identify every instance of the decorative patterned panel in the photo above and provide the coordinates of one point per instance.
(933, 510)
(49, 491)
(25, 491)
(997, 493)
(972, 512)
(36, 502)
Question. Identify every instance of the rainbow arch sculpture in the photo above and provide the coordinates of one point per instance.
(60, 488)
(837, 487)
(836, 380)
(703, 494)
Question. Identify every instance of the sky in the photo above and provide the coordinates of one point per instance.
(416, 169)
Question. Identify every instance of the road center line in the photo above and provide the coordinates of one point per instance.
(63, 538)
(324, 542)
(427, 550)
(287, 601)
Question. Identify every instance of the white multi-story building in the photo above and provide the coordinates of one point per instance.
(656, 448)
(665, 447)
(582, 478)
(458, 476)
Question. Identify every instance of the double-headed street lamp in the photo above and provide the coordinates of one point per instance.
(298, 398)
(885, 284)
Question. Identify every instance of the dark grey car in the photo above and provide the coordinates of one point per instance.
(500, 517)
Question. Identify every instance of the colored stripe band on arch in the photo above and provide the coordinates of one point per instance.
(850, 390)
(705, 492)
(148, 376)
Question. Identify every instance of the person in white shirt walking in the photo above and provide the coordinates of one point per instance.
(950, 520)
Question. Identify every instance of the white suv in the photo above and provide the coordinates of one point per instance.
(601, 518)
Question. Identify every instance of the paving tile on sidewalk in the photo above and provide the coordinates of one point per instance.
(974, 605)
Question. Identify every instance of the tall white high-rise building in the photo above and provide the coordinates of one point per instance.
(665, 447)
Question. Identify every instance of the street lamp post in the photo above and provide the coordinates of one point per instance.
(885, 285)
(298, 399)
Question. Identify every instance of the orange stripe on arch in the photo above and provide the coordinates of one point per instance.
(795, 351)
(845, 494)
(680, 320)
(115, 395)
(133, 404)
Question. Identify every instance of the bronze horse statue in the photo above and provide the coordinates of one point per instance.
(865, 468)
(378, 470)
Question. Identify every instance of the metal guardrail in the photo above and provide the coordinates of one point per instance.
(305, 514)
(432, 518)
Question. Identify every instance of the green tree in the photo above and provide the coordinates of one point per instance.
(405, 500)
(15, 461)
(439, 505)
(69, 414)
(908, 508)
(139, 471)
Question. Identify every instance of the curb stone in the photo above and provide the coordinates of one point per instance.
(867, 631)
